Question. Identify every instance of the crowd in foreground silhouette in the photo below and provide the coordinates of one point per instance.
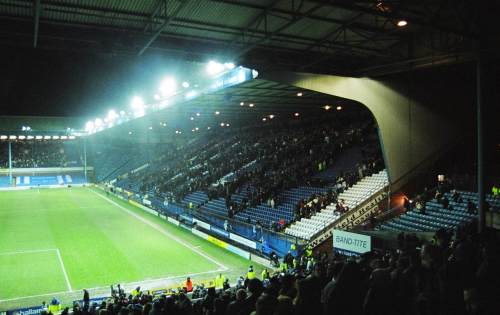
(455, 273)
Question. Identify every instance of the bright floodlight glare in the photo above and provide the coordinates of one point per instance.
(299, 94)
(251, 105)
(39, 137)
(217, 113)
(222, 124)
(197, 128)
(271, 116)
(137, 106)
(229, 65)
(112, 115)
(150, 127)
(214, 68)
(130, 132)
(327, 107)
(264, 119)
(242, 103)
(227, 125)
(339, 107)
(198, 114)
(22, 137)
(89, 126)
(62, 137)
(191, 94)
(296, 114)
(185, 84)
(191, 118)
(402, 23)
(168, 86)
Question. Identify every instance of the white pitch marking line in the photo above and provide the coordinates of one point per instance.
(29, 251)
(34, 296)
(64, 270)
(161, 230)
(124, 285)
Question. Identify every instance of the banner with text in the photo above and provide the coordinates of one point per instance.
(350, 243)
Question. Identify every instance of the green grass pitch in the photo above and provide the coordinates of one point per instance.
(56, 242)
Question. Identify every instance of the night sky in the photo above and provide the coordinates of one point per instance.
(61, 83)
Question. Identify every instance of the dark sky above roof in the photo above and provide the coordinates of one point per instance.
(61, 83)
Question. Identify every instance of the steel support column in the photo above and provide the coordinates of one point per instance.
(480, 158)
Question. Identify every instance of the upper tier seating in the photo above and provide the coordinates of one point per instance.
(306, 228)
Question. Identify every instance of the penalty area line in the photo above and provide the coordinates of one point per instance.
(66, 278)
(161, 230)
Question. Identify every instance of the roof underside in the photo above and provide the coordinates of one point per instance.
(347, 37)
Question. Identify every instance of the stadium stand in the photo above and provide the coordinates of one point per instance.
(41, 153)
(445, 212)
(352, 197)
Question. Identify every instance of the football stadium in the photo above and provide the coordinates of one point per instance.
(206, 157)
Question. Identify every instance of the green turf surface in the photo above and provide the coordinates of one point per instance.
(101, 241)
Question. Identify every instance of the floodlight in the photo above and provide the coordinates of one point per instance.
(198, 114)
(222, 124)
(112, 115)
(327, 107)
(98, 122)
(214, 68)
(12, 137)
(137, 106)
(197, 128)
(55, 137)
(191, 95)
(185, 84)
(299, 94)
(229, 65)
(242, 103)
(21, 137)
(296, 114)
(39, 137)
(72, 137)
(339, 107)
(130, 132)
(3, 137)
(227, 125)
(46, 137)
(168, 86)
(251, 105)
(30, 137)
(217, 113)
(402, 23)
(271, 116)
(150, 127)
(62, 137)
(89, 126)
(264, 119)
(191, 118)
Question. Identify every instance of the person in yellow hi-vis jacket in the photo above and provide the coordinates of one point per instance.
(264, 274)
(54, 306)
(250, 273)
(219, 281)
